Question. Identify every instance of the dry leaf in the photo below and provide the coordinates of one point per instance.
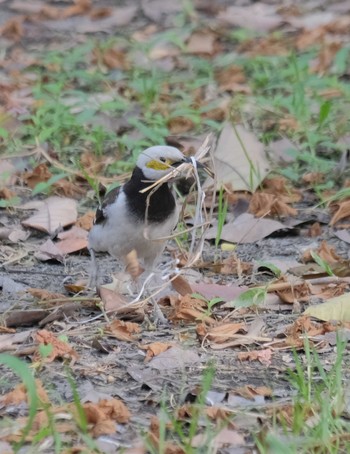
(201, 42)
(315, 230)
(220, 333)
(39, 174)
(19, 394)
(259, 17)
(49, 251)
(280, 187)
(72, 240)
(60, 349)
(314, 178)
(103, 416)
(232, 78)
(44, 295)
(178, 125)
(124, 331)
(86, 221)
(262, 204)
(299, 292)
(13, 28)
(240, 159)
(263, 356)
(233, 265)
(326, 252)
(154, 349)
(342, 212)
(190, 309)
(337, 308)
(181, 285)
(247, 229)
(53, 213)
(111, 299)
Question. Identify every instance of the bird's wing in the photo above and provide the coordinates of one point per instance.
(109, 198)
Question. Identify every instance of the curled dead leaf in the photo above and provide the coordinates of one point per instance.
(154, 349)
(326, 252)
(262, 204)
(221, 333)
(124, 331)
(263, 356)
(342, 211)
(60, 349)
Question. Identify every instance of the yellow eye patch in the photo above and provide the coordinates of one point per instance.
(159, 165)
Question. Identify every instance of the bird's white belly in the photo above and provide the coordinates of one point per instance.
(119, 238)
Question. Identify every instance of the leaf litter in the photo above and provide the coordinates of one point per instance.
(247, 316)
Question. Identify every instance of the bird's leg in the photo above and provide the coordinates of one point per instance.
(94, 271)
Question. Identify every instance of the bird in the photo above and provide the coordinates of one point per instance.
(131, 220)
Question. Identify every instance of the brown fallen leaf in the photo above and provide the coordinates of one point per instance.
(44, 295)
(39, 174)
(315, 230)
(342, 211)
(19, 394)
(154, 349)
(111, 299)
(240, 159)
(314, 178)
(154, 439)
(178, 125)
(104, 415)
(25, 318)
(124, 331)
(6, 193)
(246, 228)
(281, 188)
(86, 221)
(249, 392)
(304, 325)
(112, 58)
(181, 285)
(190, 309)
(294, 292)
(262, 204)
(259, 17)
(231, 78)
(326, 56)
(53, 213)
(13, 28)
(202, 42)
(60, 349)
(72, 240)
(49, 251)
(233, 265)
(326, 252)
(223, 332)
(263, 356)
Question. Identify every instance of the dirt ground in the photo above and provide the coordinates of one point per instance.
(107, 367)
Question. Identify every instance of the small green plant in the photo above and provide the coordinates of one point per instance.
(22, 370)
(210, 303)
(317, 426)
(183, 432)
(250, 298)
(322, 263)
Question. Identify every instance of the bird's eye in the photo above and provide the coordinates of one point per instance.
(162, 159)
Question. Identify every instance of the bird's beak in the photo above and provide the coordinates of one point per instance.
(188, 160)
